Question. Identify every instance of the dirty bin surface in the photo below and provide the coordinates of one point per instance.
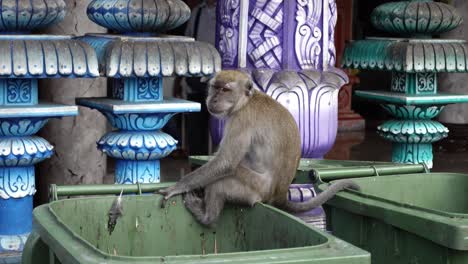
(75, 230)
(413, 218)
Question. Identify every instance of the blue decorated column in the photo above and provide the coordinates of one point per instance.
(136, 60)
(25, 58)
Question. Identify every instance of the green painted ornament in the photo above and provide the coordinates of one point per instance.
(413, 99)
(413, 18)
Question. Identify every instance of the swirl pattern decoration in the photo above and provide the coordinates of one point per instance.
(308, 33)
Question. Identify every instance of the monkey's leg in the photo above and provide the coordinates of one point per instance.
(186, 184)
(225, 190)
(195, 205)
(214, 202)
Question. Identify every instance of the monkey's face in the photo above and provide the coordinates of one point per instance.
(223, 98)
(228, 92)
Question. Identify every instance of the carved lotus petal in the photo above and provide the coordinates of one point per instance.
(416, 17)
(165, 57)
(150, 142)
(24, 151)
(137, 15)
(123, 140)
(137, 145)
(411, 56)
(410, 131)
(23, 16)
(136, 141)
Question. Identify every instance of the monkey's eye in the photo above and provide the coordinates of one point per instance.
(225, 90)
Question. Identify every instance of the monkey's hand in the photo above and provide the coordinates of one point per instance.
(170, 192)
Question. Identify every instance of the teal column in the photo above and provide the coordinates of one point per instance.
(413, 99)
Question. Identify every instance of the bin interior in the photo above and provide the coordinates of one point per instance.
(444, 192)
(147, 230)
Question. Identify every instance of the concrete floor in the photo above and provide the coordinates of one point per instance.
(365, 145)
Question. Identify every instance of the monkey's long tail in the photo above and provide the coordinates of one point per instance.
(322, 198)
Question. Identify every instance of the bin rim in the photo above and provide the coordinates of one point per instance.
(306, 162)
(46, 222)
(424, 222)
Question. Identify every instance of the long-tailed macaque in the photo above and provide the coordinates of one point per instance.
(257, 158)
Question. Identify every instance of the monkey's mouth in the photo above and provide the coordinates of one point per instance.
(216, 112)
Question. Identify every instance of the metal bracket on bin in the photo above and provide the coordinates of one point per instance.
(426, 168)
(55, 191)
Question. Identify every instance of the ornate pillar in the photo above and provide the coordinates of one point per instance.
(25, 58)
(288, 48)
(136, 60)
(415, 61)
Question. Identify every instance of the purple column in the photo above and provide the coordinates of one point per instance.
(287, 47)
(302, 193)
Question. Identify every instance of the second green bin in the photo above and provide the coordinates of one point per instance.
(406, 219)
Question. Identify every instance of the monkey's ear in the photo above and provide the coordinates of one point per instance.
(250, 87)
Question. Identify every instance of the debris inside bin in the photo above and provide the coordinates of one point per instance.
(115, 212)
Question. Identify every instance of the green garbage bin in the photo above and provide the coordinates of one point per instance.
(410, 218)
(75, 231)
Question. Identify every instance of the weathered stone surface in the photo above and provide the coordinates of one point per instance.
(456, 83)
(76, 158)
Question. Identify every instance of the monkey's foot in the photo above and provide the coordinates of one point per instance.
(192, 200)
(170, 192)
(194, 205)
